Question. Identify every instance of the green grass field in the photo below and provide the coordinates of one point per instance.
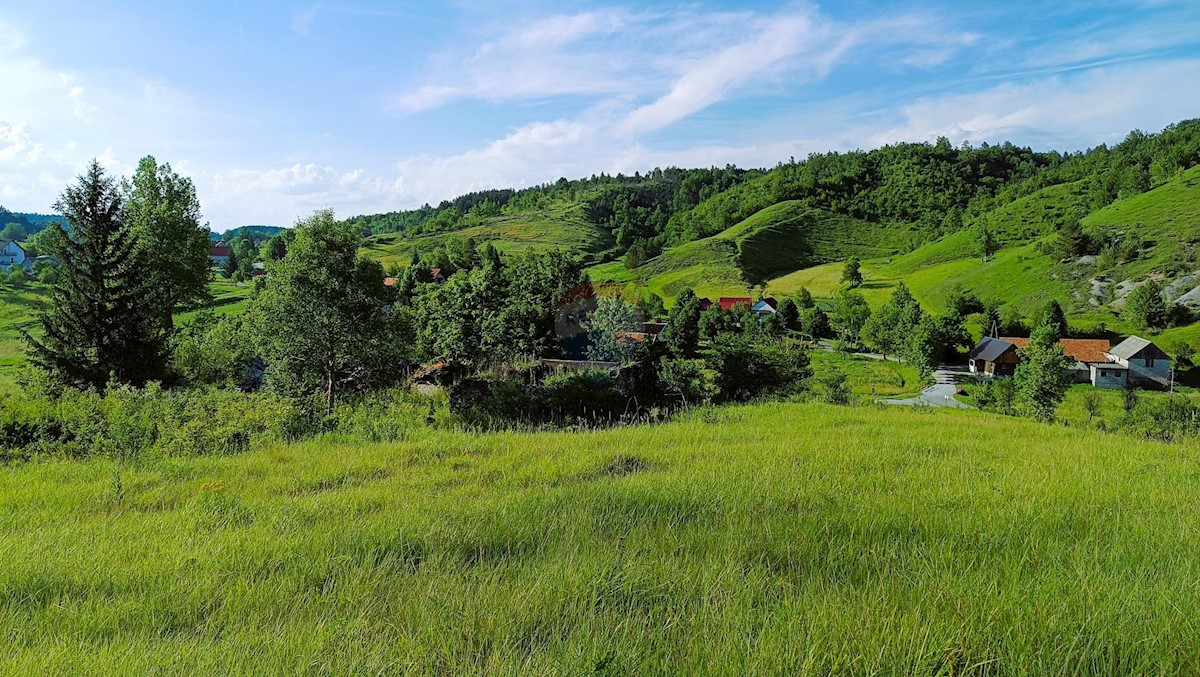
(775, 241)
(870, 378)
(776, 539)
(18, 310)
(559, 226)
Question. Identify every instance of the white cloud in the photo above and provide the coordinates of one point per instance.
(302, 19)
(1088, 107)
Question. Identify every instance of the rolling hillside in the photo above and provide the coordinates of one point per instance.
(561, 226)
(776, 240)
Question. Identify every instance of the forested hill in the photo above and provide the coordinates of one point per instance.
(29, 223)
(924, 191)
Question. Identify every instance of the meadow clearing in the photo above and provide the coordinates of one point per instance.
(766, 539)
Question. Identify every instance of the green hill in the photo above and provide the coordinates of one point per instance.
(561, 226)
(775, 539)
(776, 240)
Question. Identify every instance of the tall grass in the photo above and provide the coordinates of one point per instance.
(778, 539)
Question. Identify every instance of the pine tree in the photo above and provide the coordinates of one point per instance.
(1053, 317)
(102, 324)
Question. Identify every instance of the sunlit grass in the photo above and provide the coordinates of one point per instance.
(782, 539)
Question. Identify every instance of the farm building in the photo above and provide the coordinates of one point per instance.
(1135, 361)
(220, 253)
(731, 302)
(1146, 364)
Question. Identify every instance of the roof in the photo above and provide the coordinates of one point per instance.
(578, 293)
(4, 244)
(770, 301)
(389, 282)
(1129, 347)
(990, 349)
(705, 303)
(653, 328)
(1080, 350)
(727, 302)
(445, 272)
(221, 250)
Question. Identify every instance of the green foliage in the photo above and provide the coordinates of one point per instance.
(173, 246)
(1145, 306)
(682, 333)
(500, 311)
(746, 369)
(852, 273)
(890, 328)
(16, 278)
(830, 386)
(850, 315)
(985, 241)
(1053, 319)
(613, 318)
(788, 314)
(213, 350)
(1039, 377)
(815, 323)
(325, 321)
(688, 380)
(102, 324)
(13, 231)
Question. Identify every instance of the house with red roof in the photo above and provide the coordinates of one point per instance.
(220, 253)
(731, 302)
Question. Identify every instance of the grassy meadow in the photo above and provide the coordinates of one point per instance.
(777, 539)
(557, 226)
(19, 311)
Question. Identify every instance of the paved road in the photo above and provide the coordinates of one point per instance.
(941, 393)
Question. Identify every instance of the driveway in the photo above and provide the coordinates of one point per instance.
(941, 393)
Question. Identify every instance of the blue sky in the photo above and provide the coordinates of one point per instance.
(276, 109)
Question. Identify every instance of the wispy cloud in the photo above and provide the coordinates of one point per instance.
(302, 19)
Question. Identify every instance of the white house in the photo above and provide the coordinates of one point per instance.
(765, 307)
(1147, 364)
(13, 254)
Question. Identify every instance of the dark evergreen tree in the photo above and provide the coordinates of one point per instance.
(1053, 317)
(102, 325)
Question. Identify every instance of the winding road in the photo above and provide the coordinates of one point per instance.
(941, 393)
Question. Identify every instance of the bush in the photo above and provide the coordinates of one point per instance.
(746, 370)
(831, 386)
(129, 424)
(688, 379)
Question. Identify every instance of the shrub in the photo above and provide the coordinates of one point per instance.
(746, 370)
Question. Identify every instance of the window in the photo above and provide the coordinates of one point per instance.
(1150, 362)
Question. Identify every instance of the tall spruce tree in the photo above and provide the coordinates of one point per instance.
(102, 325)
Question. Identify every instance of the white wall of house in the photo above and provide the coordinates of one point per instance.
(12, 254)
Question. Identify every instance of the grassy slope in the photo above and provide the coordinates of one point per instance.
(790, 539)
(1168, 217)
(776, 240)
(559, 226)
(18, 309)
